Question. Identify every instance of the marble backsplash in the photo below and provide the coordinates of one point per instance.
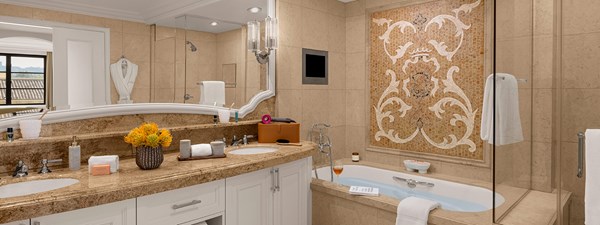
(104, 136)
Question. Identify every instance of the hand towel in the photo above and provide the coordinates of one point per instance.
(201, 150)
(212, 92)
(592, 176)
(508, 119)
(414, 211)
(112, 160)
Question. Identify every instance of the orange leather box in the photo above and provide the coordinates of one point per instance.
(269, 133)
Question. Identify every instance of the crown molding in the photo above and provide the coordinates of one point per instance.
(151, 15)
(85, 9)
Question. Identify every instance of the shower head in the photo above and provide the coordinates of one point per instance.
(192, 46)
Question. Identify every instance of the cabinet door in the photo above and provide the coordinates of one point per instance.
(291, 199)
(118, 213)
(22, 222)
(249, 199)
(182, 205)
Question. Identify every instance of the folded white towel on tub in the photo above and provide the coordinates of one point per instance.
(414, 211)
(201, 150)
(592, 176)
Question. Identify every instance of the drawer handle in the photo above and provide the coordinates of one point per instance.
(179, 206)
(198, 223)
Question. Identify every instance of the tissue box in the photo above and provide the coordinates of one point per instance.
(269, 133)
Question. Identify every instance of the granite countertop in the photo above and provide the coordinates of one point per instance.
(131, 182)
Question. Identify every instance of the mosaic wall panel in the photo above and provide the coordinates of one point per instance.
(426, 78)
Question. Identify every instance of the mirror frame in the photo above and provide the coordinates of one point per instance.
(138, 108)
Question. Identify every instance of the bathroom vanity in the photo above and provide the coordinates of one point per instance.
(261, 189)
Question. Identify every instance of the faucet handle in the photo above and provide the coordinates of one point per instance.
(21, 169)
(45, 168)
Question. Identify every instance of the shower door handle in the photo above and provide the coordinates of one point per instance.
(580, 148)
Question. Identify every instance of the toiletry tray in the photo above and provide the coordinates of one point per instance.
(202, 157)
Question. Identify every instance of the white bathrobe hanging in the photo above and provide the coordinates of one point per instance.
(123, 74)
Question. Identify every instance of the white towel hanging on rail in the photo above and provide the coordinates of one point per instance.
(508, 119)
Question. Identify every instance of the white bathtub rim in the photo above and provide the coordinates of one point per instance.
(468, 192)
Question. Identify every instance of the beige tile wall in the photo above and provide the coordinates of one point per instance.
(579, 85)
(320, 25)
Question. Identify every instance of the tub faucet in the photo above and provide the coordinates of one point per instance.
(21, 170)
(323, 142)
(411, 183)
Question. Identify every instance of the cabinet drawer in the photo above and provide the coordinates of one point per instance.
(182, 205)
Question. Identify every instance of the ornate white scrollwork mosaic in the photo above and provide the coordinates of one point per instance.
(452, 96)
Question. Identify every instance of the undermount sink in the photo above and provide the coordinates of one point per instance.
(253, 150)
(34, 186)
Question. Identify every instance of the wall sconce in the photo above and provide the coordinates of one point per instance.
(270, 39)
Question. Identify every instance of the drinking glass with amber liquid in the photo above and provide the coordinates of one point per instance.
(338, 167)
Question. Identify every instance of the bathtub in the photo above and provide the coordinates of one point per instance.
(452, 196)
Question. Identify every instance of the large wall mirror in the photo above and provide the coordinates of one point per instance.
(68, 69)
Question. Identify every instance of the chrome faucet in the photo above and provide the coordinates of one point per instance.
(45, 168)
(323, 142)
(21, 170)
(244, 140)
(411, 183)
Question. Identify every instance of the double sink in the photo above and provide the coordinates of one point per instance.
(39, 186)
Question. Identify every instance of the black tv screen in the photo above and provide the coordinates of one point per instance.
(315, 65)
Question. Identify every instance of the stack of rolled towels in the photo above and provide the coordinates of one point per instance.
(215, 148)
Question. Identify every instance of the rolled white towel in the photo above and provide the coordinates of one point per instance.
(112, 160)
(201, 150)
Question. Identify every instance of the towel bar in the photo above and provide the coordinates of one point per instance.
(580, 148)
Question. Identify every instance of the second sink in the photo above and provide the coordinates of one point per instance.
(34, 186)
(253, 150)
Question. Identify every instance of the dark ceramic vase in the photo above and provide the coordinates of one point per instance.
(148, 158)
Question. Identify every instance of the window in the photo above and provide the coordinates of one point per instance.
(22, 79)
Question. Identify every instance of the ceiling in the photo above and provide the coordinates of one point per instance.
(229, 14)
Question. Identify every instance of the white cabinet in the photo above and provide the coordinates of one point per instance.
(182, 205)
(118, 213)
(22, 222)
(273, 196)
(249, 199)
(291, 198)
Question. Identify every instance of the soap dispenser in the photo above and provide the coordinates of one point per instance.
(74, 155)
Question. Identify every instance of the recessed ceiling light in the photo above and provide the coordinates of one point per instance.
(214, 23)
(254, 9)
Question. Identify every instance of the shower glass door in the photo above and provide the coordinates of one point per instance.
(514, 88)
(577, 88)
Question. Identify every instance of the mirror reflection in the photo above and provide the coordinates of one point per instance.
(196, 57)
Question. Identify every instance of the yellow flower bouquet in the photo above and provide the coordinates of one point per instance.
(149, 135)
(149, 140)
